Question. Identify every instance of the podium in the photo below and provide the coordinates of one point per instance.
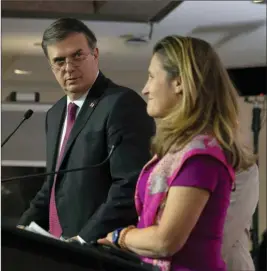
(27, 251)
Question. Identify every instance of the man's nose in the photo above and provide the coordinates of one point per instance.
(69, 67)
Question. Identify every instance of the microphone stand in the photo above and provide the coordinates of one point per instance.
(5, 141)
(255, 127)
(113, 147)
(27, 115)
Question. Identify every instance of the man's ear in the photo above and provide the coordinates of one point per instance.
(96, 53)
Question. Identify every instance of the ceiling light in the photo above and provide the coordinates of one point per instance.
(140, 39)
(22, 72)
(37, 44)
(259, 1)
(135, 40)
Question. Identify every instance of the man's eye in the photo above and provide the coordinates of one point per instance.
(59, 62)
(78, 54)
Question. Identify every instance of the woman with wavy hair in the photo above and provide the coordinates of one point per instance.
(183, 193)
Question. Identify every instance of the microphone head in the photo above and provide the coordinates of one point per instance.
(28, 114)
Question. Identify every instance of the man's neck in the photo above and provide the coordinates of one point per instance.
(75, 96)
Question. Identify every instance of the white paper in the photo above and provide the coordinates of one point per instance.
(33, 227)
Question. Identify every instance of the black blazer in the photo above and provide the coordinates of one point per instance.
(96, 201)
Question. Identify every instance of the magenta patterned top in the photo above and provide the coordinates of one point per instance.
(202, 251)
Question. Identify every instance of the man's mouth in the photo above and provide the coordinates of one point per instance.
(72, 80)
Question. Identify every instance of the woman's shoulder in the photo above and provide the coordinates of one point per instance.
(203, 160)
(205, 146)
(204, 163)
(203, 171)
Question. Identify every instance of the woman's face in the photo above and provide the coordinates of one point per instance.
(162, 93)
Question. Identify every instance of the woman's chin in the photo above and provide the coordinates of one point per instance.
(152, 113)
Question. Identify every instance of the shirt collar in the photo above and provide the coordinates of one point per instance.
(79, 102)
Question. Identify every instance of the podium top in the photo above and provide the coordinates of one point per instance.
(33, 250)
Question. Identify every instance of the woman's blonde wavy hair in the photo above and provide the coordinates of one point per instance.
(208, 104)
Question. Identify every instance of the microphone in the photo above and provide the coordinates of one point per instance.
(113, 147)
(27, 115)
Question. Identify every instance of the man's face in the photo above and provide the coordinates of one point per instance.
(74, 64)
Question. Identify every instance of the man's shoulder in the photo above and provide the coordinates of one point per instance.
(113, 94)
(116, 92)
(61, 102)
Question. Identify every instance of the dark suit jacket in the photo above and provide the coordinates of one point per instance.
(93, 202)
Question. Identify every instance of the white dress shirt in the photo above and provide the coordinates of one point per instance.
(243, 202)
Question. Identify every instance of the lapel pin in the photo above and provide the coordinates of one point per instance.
(92, 105)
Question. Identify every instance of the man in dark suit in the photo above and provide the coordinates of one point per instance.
(81, 129)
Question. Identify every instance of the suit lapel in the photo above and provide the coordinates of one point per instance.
(55, 133)
(87, 109)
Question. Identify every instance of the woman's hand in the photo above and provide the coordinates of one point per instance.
(107, 240)
(142, 252)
